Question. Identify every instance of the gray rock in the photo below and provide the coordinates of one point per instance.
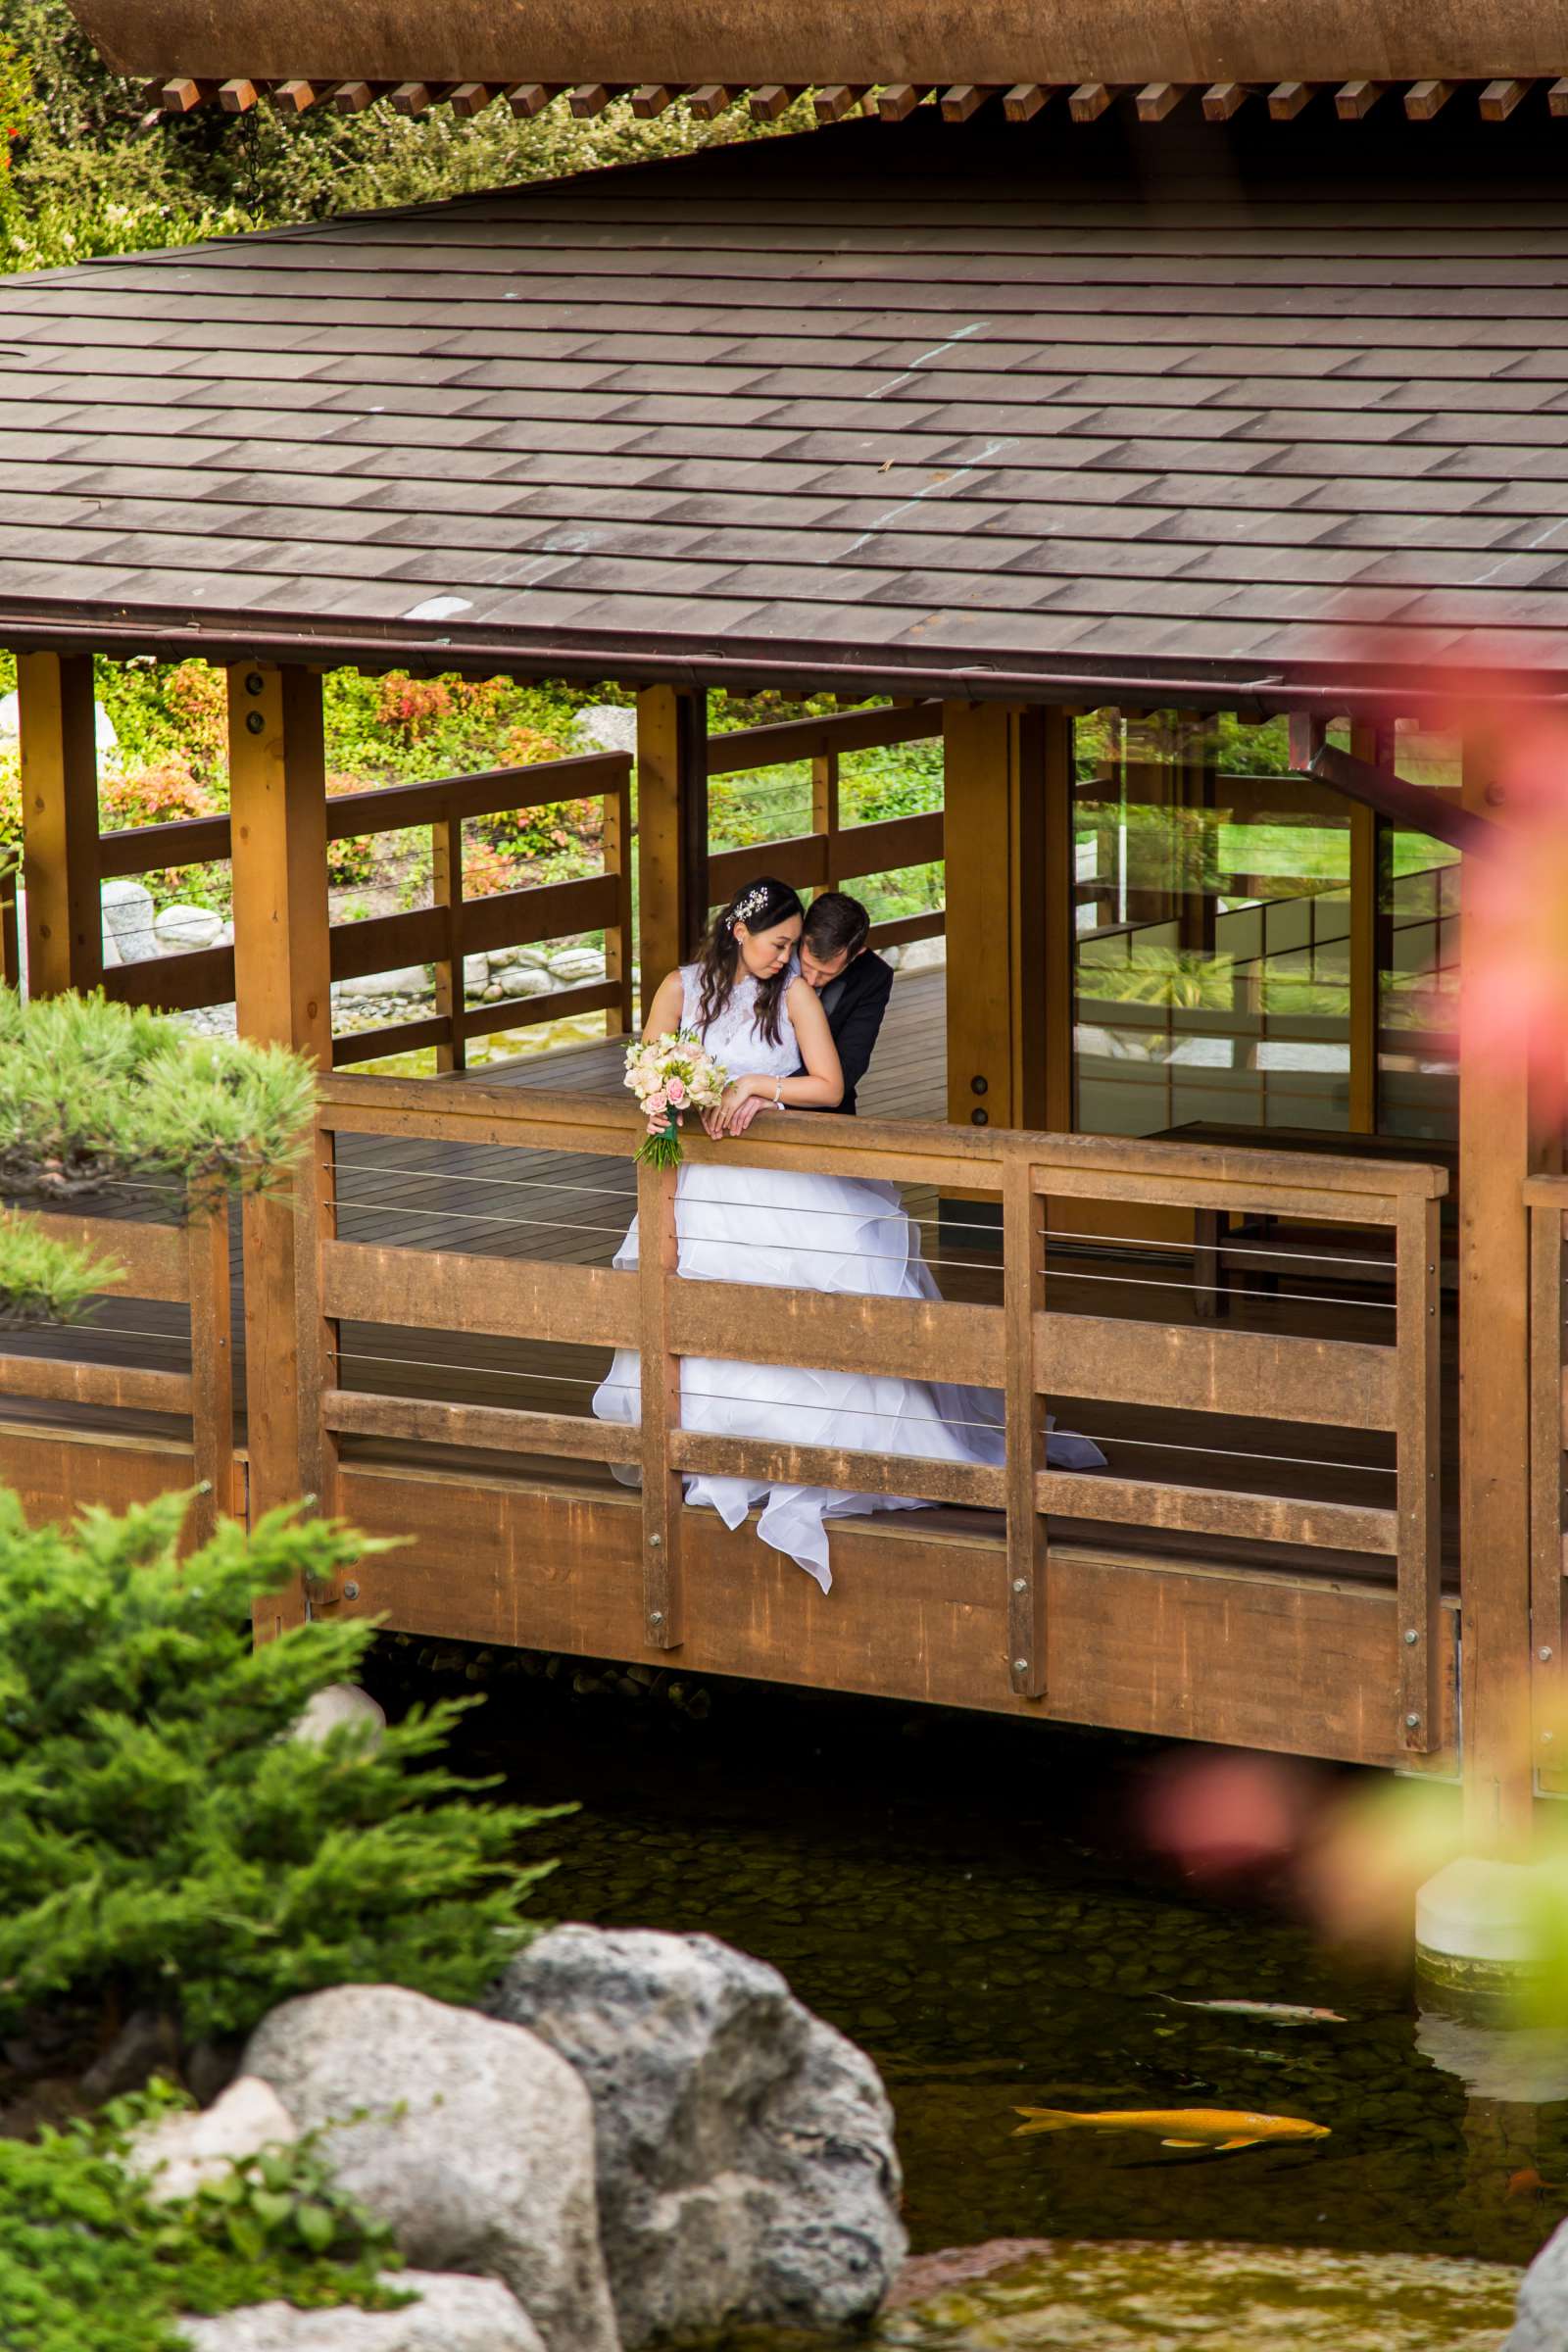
(1541, 2324)
(177, 929)
(477, 972)
(451, 2315)
(924, 955)
(502, 959)
(471, 2137)
(340, 1705)
(576, 965)
(747, 2170)
(525, 980)
(128, 919)
(409, 980)
(608, 727)
(183, 2152)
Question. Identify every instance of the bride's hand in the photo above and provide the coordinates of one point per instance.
(732, 1116)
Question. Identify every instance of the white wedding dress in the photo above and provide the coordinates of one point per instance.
(798, 1231)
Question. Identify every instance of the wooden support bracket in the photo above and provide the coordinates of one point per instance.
(297, 97)
(1091, 99)
(1557, 99)
(966, 98)
(1354, 101)
(529, 98)
(901, 98)
(1222, 99)
(590, 98)
(650, 100)
(181, 95)
(238, 97)
(1287, 99)
(710, 100)
(1425, 99)
(838, 99)
(1499, 98)
(1026, 98)
(352, 97)
(773, 99)
(472, 97)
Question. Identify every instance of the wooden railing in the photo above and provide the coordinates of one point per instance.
(833, 855)
(185, 1264)
(1547, 1198)
(442, 934)
(1027, 1346)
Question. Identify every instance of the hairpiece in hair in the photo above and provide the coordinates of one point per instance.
(752, 904)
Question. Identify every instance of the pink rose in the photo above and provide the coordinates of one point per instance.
(676, 1092)
(657, 1104)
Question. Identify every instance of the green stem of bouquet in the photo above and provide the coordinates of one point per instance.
(662, 1151)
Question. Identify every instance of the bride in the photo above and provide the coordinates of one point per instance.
(788, 1228)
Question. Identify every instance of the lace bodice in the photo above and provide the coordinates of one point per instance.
(733, 1037)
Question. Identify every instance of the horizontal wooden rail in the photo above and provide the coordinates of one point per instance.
(493, 1428)
(1211, 1511)
(810, 860)
(842, 1330)
(841, 1468)
(126, 1388)
(495, 1298)
(1334, 1384)
(154, 1261)
(788, 740)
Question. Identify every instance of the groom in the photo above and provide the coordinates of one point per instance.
(853, 983)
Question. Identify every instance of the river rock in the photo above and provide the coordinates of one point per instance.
(924, 955)
(470, 2136)
(182, 2153)
(524, 980)
(575, 965)
(128, 910)
(747, 2170)
(451, 2315)
(1540, 2323)
(179, 929)
(341, 1704)
(409, 980)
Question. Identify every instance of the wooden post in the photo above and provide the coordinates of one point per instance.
(278, 800)
(316, 1334)
(60, 823)
(1059, 922)
(994, 756)
(1494, 1157)
(662, 1489)
(826, 810)
(212, 1364)
(1418, 1501)
(1194, 763)
(1547, 1595)
(672, 828)
(1368, 931)
(1023, 1285)
(446, 890)
(620, 945)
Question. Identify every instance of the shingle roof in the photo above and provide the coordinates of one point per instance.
(906, 405)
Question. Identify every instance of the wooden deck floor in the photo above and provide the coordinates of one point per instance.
(500, 1201)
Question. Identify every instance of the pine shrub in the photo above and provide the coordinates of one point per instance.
(164, 1843)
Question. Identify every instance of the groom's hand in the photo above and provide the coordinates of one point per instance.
(741, 1117)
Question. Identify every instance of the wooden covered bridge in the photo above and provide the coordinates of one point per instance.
(1042, 440)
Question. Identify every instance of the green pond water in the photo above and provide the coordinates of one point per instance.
(969, 1900)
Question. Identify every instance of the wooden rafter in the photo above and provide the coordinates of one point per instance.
(1499, 98)
(1424, 99)
(1091, 99)
(966, 98)
(1558, 98)
(472, 97)
(1354, 101)
(710, 100)
(1225, 98)
(901, 98)
(183, 95)
(529, 98)
(297, 97)
(238, 97)
(773, 99)
(590, 98)
(650, 100)
(1287, 99)
(838, 99)
(1157, 99)
(1026, 98)
(352, 97)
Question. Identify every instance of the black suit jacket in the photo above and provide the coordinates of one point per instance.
(855, 1020)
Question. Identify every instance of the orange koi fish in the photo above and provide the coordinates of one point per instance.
(1178, 2126)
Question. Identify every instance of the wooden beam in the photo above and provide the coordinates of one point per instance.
(1369, 841)
(773, 99)
(529, 98)
(839, 99)
(1495, 1158)
(1557, 99)
(1157, 99)
(1028, 1551)
(650, 100)
(1499, 98)
(1287, 99)
(662, 1506)
(966, 98)
(1026, 98)
(590, 98)
(277, 801)
(472, 97)
(238, 97)
(1423, 100)
(184, 94)
(415, 97)
(1058, 923)
(901, 98)
(712, 99)
(1091, 99)
(1418, 1303)
(1354, 101)
(297, 97)
(60, 823)
(1222, 99)
(352, 97)
(994, 841)
(672, 828)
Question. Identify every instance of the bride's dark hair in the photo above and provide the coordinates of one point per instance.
(760, 906)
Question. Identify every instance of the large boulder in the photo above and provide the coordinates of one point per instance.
(747, 2170)
(1541, 2324)
(471, 2137)
(451, 2315)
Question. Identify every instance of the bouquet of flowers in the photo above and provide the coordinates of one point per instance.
(671, 1075)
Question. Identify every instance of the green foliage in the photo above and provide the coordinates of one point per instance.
(164, 1842)
(45, 1280)
(90, 2262)
(92, 1094)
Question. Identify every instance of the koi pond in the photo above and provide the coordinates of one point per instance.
(971, 1901)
